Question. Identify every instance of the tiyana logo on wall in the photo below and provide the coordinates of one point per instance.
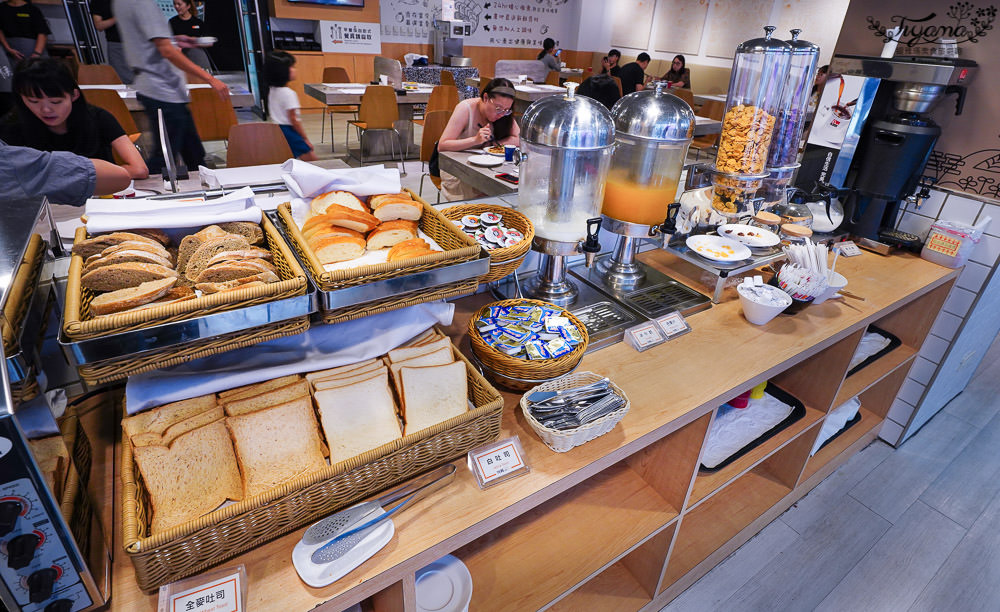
(962, 23)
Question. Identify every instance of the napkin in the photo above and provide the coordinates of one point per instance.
(112, 215)
(307, 181)
(238, 177)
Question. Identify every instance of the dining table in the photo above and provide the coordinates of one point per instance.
(480, 177)
(239, 96)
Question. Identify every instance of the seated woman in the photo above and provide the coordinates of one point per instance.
(50, 114)
(548, 55)
(678, 75)
(476, 122)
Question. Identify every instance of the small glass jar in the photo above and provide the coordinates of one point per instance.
(792, 233)
(767, 220)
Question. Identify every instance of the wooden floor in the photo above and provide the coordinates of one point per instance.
(916, 528)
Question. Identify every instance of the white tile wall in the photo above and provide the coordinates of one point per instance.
(958, 208)
(973, 276)
(911, 391)
(934, 348)
(992, 211)
(915, 224)
(959, 301)
(931, 207)
(946, 325)
(987, 251)
(891, 431)
(922, 370)
(900, 411)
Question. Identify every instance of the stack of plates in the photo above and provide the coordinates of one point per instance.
(444, 586)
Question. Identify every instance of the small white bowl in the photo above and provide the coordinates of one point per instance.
(837, 282)
(758, 312)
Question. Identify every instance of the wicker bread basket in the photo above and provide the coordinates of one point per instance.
(21, 289)
(561, 440)
(505, 260)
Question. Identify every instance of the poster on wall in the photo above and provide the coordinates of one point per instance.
(349, 37)
(631, 23)
(507, 23)
(680, 24)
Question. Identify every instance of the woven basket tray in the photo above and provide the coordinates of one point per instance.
(563, 440)
(194, 546)
(21, 289)
(437, 292)
(458, 248)
(79, 325)
(503, 261)
(541, 369)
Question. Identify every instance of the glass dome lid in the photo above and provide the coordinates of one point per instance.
(568, 122)
(654, 114)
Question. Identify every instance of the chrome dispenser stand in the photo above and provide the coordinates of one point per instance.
(551, 283)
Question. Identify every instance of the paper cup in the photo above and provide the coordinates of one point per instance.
(759, 313)
(383, 79)
(837, 282)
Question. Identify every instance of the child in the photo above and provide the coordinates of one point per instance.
(283, 105)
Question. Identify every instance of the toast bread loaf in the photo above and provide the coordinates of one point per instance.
(159, 419)
(178, 429)
(256, 388)
(433, 394)
(408, 352)
(331, 383)
(442, 356)
(375, 365)
(311, 376)
(357, 418)
(267, 399)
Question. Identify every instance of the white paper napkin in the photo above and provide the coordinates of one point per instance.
(306, 180)
(112, 215)
(238, 177)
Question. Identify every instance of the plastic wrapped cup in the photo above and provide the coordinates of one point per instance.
(761, 303)
(837, 282)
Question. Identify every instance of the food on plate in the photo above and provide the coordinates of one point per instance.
(415, 247)
(191, 477)
(389, 209)
(357, 418)
(320, 203)
(263, 451)
(495, 149)
(124, 275)
(331, 249)
(432, 394)
(131, 297)
(391, 233)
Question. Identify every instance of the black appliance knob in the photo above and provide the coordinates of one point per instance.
(9, 511)
(40, 584)
(21, 550)
(59, 605)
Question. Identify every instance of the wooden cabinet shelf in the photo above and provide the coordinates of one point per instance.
(874, 372)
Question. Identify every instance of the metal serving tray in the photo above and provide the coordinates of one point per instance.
(188, 330)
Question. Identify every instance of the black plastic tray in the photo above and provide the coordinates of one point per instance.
(894, 343)
(798, 411)
(847, 425)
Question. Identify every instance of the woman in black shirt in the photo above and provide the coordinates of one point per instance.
(23, 30)
(187, 23)
(52, 115)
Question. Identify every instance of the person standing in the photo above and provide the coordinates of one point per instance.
(633, 74)
(159, 78)
(609, 65)
(187, 23)
(23, 30)
(678, 76)
(63, 177)
(283, 103)
(104, 21)
(548, 55)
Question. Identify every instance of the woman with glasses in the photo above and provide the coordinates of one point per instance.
(476, 123)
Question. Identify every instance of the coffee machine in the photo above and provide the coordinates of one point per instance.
(449, 42)
(899, 136)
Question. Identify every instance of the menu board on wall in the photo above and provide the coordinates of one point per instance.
(348, 37)
(506, 23)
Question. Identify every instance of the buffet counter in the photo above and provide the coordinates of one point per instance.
(627, 519)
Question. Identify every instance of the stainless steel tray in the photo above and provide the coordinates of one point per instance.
(188, 330)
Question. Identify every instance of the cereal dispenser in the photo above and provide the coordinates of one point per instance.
(760, 69)
(566, 146)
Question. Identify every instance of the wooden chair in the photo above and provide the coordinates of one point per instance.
(552, 78)
(335, 74)
(447, 78)
(213, 117)
(619, 82)
(713, 109)
(434, 124)
(683, 94)
(97, 74)
(443, 97)
(254, 144)
(378, 112)
(109, 100)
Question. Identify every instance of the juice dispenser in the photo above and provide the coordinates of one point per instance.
(566, 146)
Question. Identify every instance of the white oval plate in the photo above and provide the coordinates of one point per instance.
(487, 161)
(487, 151)
(718, 248)
(753, 237)
(444, 586)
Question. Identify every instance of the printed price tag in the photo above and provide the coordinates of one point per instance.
(673, 324)
(497, 462)
(219, 591)
(644, 336)
(943, 243)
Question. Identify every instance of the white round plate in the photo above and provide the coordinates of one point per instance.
(444, 586)
(718, 248)
(487, 151)
(753, 237)
(487, 161)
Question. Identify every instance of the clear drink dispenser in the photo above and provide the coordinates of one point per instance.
(794, 101)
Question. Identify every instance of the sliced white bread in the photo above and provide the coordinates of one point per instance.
(276, 444)
(357, 418)
(93, 246)
(375, 365)
(320, 203)
(125, 256)
(391, 233)
(407, 352)
(331, 249)
(356, 220)
(159, 419)
(249, 230)
(433, 394)
(376, 200)
(125, 299)
(210, 248)
(415, 247)
(267, 399)
(257, 388)
(178, 429)
(331, 383)
(395, 208)
(311, 376)
(424, 336)
(191, 477)
(442, 356)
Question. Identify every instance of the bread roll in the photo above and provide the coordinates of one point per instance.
(391, 233)
(391, 209)
(124, 299)
(356, 220)
(332, 249)
(406, 249)
(375, 200)
(357, 418)
(124, 275)
(433, 394)
(320, 203)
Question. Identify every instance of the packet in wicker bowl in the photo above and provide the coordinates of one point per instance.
(574, 409)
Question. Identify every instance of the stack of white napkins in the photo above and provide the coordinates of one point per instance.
(734, 428)
(239, 177)
(113, 215)
(835, 421)
(871, 343)
(307, 181)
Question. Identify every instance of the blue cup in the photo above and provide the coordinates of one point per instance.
(508, 152)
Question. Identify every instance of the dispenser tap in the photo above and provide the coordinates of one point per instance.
(591, 247)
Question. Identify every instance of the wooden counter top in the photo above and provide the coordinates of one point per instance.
(669, 386)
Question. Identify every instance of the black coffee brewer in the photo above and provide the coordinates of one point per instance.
(898, 139)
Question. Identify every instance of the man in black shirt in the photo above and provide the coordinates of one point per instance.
(609, 65)
(633, 74)
(104, 21)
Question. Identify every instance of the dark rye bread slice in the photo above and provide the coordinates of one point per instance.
(251, 253)
(124, 275)
(135, 245)
(210, 248)
(125, 299)
(251, 231)
(125, 256)
(155, 234)
(190, 243)
(93, 246)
